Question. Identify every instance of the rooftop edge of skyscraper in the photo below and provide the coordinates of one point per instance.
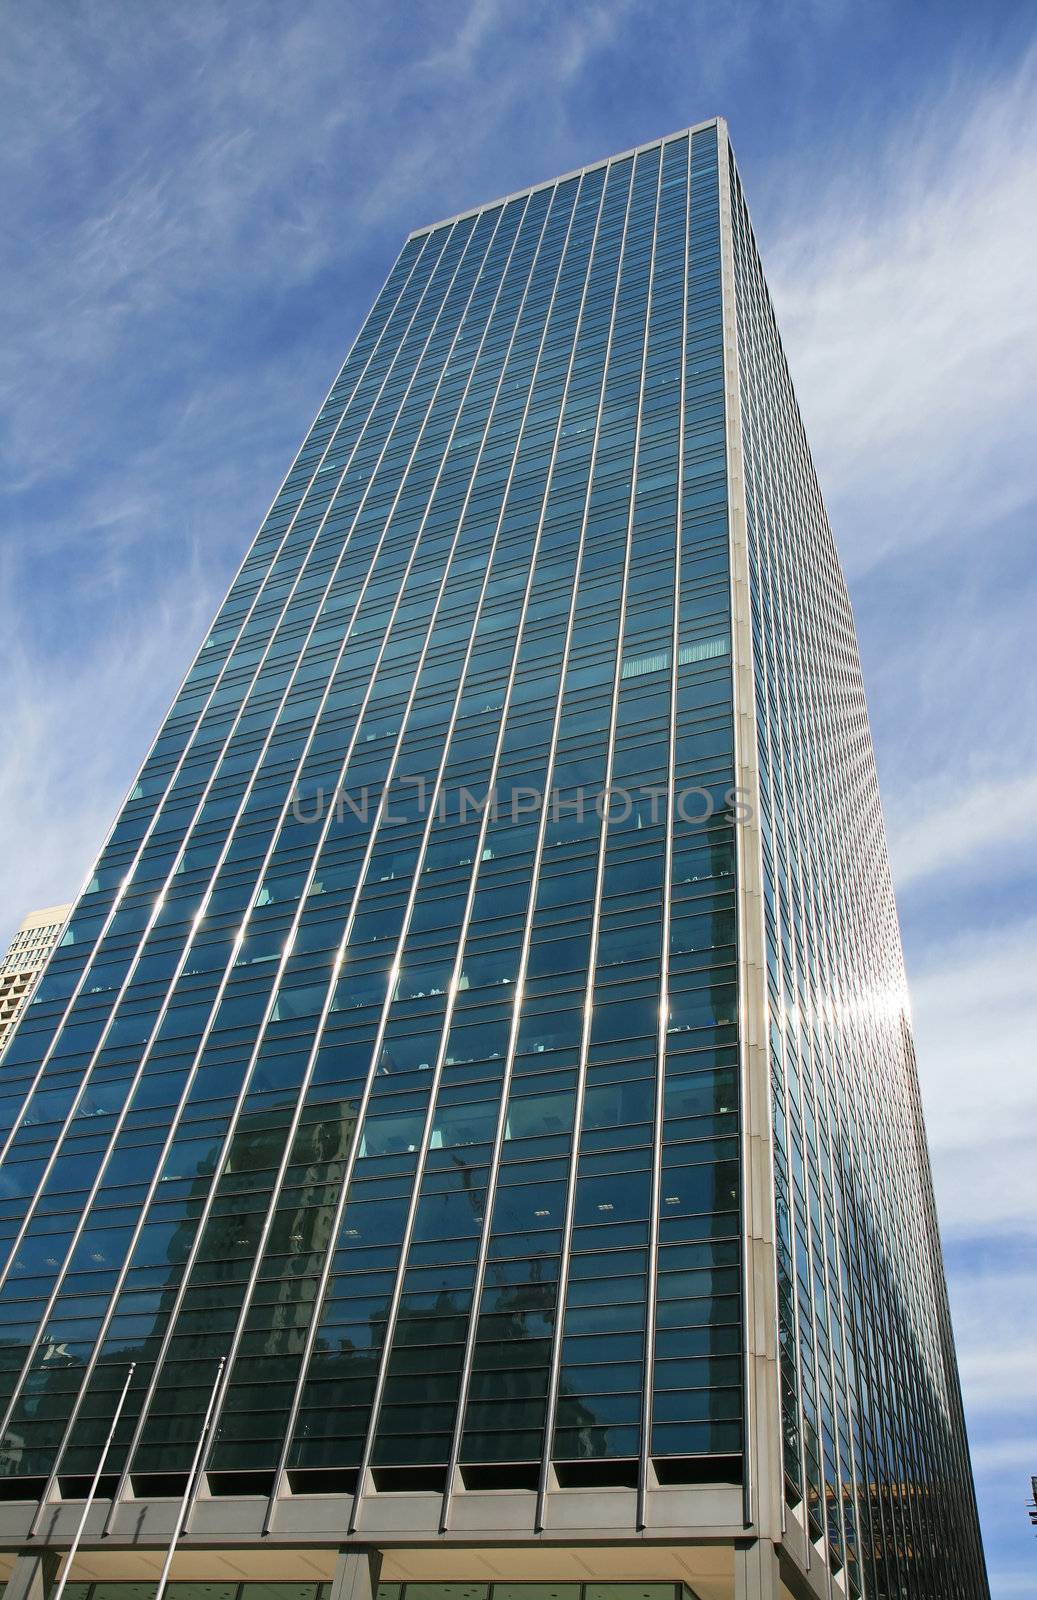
(566, 177)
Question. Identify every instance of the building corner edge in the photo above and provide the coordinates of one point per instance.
(762, 1494)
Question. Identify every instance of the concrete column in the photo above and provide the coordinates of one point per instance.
(34, 1575)
(356, 1575)
(756, 1571)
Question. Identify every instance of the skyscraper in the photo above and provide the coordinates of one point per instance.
(26, 956)
(476, 1086)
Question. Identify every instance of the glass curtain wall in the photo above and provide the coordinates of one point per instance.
(420, 1111)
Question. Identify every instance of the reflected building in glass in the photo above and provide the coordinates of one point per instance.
(475, 1086)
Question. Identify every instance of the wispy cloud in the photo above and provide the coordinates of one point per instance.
(64, 751)
(200, 202)
(471, 90)
(907, 286)
(975, 1018)
(981, 828)
(995, 1322)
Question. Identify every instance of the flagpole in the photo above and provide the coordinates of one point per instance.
(192, 1478)
(74, 1546)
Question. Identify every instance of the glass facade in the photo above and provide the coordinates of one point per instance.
(873, 1434)
(394, 1055)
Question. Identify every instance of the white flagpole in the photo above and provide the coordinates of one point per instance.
(192, 1478)
(74, 1546)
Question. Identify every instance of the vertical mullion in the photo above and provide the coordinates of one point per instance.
(766, 581)
(763, 1450)
(667, 908)
(581, 1083)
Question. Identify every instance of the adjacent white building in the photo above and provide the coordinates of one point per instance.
(25, 959)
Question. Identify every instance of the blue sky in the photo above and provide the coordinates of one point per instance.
(200, 203)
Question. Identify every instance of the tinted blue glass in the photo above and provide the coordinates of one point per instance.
(394, 1052)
